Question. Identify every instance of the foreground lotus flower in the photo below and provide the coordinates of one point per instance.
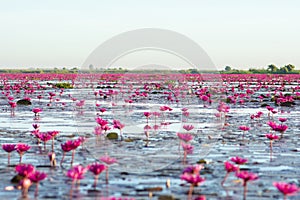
(192, 176)
(8, 148)
(229, 167)
(76, 173)
(108, 161)
(96, 169)
(21, 149)
(36, 177)
(24, 170)
(286, 189)
(239, 160)
(68, 146)
(246, 176)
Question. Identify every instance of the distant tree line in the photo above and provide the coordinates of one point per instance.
(271, 69)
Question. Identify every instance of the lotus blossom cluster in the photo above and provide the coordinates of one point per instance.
(29, 175)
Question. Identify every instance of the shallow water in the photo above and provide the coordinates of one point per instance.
(143, 162)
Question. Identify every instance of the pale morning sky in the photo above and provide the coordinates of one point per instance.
(242, 34)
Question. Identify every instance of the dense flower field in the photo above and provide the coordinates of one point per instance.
(160, 136)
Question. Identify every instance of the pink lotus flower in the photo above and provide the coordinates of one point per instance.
(165, 108)
(191, 175)
(188, 127)
(8, 148)
(194, 179)
(21, 149)
(12, 104)
(24, 170)
(271, 136)
(36, 111)
(36, 177)
(286, 189)
(96, 169)
(282, 119)
(102, 110)
(246, 176)
(108, 161)
(187, 149)
(147, 114)
(239, 160)
(244, 128)
(117, 124)
(45, 137)
(76, 173)
(186, 137)
(68, 146)
(229, 167)
(101, 121)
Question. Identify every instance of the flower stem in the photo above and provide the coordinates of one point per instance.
(62, 159)
(106, 175)
(191, 192)
(73, 155)
(36, 190)
(8, 159)
(222, 183)
(245, 190)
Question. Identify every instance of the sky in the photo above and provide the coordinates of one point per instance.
(241, 34)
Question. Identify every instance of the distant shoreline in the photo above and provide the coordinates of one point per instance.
(122, 71)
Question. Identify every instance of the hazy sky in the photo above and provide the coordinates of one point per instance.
(242, 34)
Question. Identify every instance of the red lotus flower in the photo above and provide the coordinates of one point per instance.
(108, 161)
(8, 147)
(244, 128)
(271, 136)
(246, 176)
(186, 137)
(286, 189)
(21, 149)
(188, 127)
(194, 179)
(147, 114)
(36, 111)
(76, 173)
(68, 146)
(191, 175)
(238, 160)
(96, 169)
(24, 170)
(37, 176)
(45, 137)
(229, 167)
(282, 119)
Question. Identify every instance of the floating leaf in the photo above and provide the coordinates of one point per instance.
(112, 136)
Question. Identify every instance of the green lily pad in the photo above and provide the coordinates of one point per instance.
(24, 102)
(112, 136)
